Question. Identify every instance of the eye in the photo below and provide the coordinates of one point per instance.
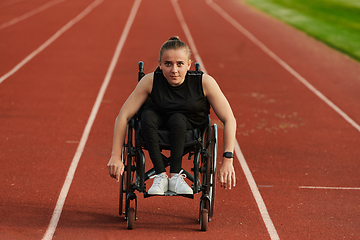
(180, 64)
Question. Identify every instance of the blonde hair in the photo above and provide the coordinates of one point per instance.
(174, 43)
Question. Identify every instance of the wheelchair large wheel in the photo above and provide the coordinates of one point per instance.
(213, 179)
(209, 163)
(128, 175)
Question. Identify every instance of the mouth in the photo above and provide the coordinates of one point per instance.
(175, 78)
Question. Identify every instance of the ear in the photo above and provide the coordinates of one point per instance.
(160, 65)
(189, 64)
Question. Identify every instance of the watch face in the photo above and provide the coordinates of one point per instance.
(228, 155)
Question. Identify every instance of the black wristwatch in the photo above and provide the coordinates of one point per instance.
(228, 155)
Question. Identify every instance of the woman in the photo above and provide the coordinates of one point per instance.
(169, 83)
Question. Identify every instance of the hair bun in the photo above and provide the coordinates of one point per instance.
(175, 38)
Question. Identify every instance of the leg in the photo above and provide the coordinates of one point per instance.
(177, 125)
(150, 123)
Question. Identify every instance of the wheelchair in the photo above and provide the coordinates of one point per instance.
(201, 145)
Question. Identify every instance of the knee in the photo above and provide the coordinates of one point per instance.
(177, 121)
(149, 120)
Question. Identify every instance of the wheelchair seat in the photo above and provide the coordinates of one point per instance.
(193, 137)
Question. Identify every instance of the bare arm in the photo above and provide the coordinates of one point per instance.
(223, 110)
(128, 110)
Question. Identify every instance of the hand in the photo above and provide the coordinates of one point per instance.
(115, 167)
(227, 173)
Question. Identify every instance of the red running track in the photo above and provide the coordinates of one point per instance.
(302, 154)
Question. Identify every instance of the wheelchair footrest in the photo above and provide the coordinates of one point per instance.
(170, 194)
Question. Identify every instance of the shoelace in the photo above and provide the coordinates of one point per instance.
(180, 178)
(158, 179)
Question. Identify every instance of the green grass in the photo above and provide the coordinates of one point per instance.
(334, 22)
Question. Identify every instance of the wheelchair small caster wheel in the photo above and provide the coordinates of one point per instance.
(131, 218)
(204, 219)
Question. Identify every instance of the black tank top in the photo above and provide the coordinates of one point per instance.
(187, 98)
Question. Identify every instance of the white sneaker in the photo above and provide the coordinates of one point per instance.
(160, 185)
(178, 185)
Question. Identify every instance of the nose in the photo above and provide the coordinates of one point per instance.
(174, 68)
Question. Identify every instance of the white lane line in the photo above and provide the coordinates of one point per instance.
(52, 39)
(252, 38)
(10, 2)
(31, 13)
(188, 34)
(70, 175)
(330, 188)
(255, 191)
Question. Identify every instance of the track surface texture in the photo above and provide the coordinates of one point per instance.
(302, 151)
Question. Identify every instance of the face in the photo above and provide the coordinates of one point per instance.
(175, 64)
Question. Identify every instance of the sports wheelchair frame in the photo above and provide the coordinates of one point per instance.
(203, 149)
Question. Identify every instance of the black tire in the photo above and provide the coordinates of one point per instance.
(204, 219)
(131, 218)
(123, 181)
(122, 194)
